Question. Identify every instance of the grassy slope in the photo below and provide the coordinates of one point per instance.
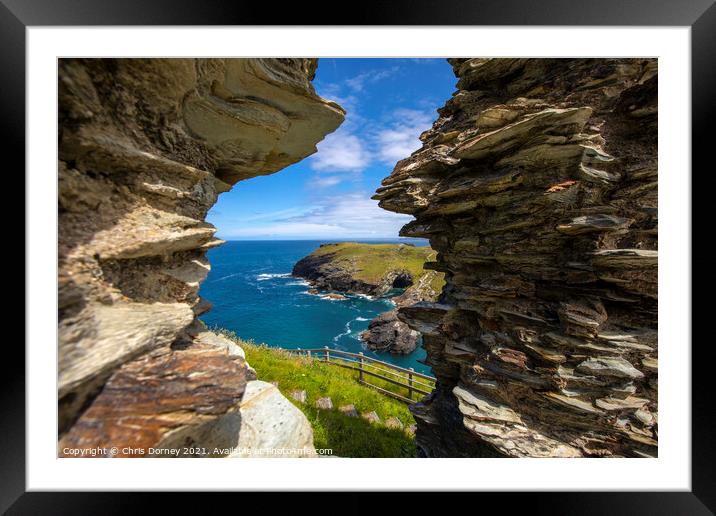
(348, 437)
(438, 282)
(370, 262)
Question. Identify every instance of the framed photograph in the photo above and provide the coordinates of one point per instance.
(421, 242)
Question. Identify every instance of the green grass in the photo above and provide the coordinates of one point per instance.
(346, 436)
(371, 262)
(438, 282)
(419, 383)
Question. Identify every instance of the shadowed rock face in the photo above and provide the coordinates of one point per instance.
(387, 332)
(537, 185)
(322, 273)
(145, 147)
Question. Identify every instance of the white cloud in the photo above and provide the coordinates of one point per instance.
(346, 216)
(325, 182)
(346, 151)
(285, 230)
(273, 215)
(425, 60)
(332, 92)
(358, 82)
(341, 151)
(356, 214)
(400, 138)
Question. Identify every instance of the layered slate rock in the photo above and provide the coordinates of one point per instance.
(146, 146)
(537, 185)
(166, 399)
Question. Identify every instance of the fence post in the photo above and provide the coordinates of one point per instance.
(360, 367)
(410, 383)
(309, 353)
(327, 353)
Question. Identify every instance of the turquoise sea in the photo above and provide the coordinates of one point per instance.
(254, 295)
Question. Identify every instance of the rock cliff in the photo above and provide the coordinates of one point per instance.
(375, 270)
(358, 268)
(145, 148)
(387, 332)
(537, 186)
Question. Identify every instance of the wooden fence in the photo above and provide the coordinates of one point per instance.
(392, 376)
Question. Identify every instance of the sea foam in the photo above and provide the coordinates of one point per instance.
(264, 277)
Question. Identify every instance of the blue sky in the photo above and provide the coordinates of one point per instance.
(389, 102)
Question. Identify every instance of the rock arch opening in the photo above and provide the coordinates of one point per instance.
(537, 187)
(402, 280)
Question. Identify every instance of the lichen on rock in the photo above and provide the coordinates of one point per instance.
(537, 187)
(145, 147)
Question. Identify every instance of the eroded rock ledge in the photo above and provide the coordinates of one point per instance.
(537, 186)
(146, 146)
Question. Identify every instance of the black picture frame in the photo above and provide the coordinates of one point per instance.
(700, 15)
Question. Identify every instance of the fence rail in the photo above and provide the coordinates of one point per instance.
(367, 367)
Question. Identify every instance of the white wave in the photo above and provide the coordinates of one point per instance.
(347, 332)
(227, 276)
(329, 298)
(365, 296)
(298, 283)
(264, 277)
(362, 319)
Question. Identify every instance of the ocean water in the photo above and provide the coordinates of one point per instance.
(254, 295)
